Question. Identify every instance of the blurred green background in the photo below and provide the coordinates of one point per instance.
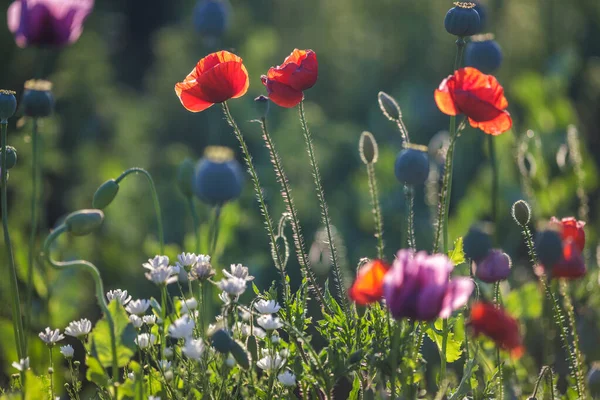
(116, 108)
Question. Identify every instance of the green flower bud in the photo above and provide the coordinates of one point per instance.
(185, 177)
(389, 106)
(368, 149)
(11, 157)
(83, 222)
(38, 100)
(105, 194)
(8, 104)
(521, 212)
(262, 105)
(221, 341)
(240, 354)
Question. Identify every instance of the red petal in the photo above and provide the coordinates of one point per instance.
(368, 286)
(571, 228)
(485, 87)
(572, 265)
(296, 57)
(444, 99)
(188, 94)
(500, 124)
(283, 95)
(223, 82)
(214, 59)
(305, 76)
(497, 325)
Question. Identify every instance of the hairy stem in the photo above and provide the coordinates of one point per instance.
(568, 305)
(376, 209)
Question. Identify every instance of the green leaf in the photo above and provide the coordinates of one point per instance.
(453, 346)
(95, 372)
(525, 302)
(99, 344)
(354, 393)
(457, 255)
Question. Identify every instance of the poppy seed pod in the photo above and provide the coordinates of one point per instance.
(11, 157)
(482, 11)
(477, 243)
(210, 17)
(521, 212)
(38, 100)
(389, 106)
(262, 105)
(218, 177)
(483, 53)
(185, 177)
(221, 341)
(105, 194)
(549, 247)
(412, 165)
(8, 104)
(368, 149)
(494, 267)
(462, 19)
(83, 222)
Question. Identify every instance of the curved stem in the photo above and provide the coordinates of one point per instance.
(194, 214)
(99, 288)
(157, 210)
(14, 286)
(376, 209)
(324, 209)
(35, 173)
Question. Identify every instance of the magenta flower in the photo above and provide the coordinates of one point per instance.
(418, 286)
(494, 267)
(52, 23)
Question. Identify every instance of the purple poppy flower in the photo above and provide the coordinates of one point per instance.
(418, 286)
(494, 267)
(47, 22)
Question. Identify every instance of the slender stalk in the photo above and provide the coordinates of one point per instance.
(498, 359)
(51, 372)
(194, 214)
(494, 164)
(394, 349)
(568, 305)
(324, 209)
(376, 207)
(538, 381)
(409, 193)
(214, 232)
(155, 200)
(14, 286)
(35, 173)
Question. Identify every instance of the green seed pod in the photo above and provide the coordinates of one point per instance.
(11, 157)
(240, 354)
(389, 106)
(262, 106)
(105, 194)
(38, 100)
(521, 212)
(8, 104)
(185, 177)
(221, 341)
(83, 222)
(368, 149)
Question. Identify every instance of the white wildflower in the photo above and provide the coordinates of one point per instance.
(193, 349)
(156, 262)
(79, 328)
(188, 305)
(119, 295)
(285, 353)
(238, 271)
(131, 375)
(224, 298)
(248, 330)
(149, 319)
(268, 322)
(145, 340)
(137, 307)
(245, 315)
(201, 269)
(50, 337)
(267, 306)
(186, 260)
(275, 339)
(162, 275)
(233, 286)
(164, 365)
(182, 328)
(67, 351)
(136, 321)
(271, 363)
(22, 365)
(287, 378)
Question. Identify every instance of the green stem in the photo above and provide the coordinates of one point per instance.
(376, 209)
(99, 288)
(214, 233)
(51, 373)
(14, 286)
(35, 173)
(539, 380)
(443, 351)
(493, 162)
(394, 351)
(409, 193)
(155, 200)
(324, 209)
(195, 222)
(497, 302)
(577, 356)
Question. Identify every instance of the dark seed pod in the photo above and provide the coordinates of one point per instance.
(412, 165)
(221, 341)
(218, 177)
(8, 104)
(462, 19)
(483, 53)
(11, 157)
(477, 243)
(38, 100)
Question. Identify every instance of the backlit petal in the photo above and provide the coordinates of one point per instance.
(500, 124)
(283, 95)
(444, 99)
(368, 286)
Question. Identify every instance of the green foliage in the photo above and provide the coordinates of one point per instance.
(454, 341)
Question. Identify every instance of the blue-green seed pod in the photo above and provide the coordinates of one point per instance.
(462, 19)
(38, 100)
(549, 248)
(11, 157)
(477, 243)
(240, 354)
(412, 165)
(8, 104)
(262, 104)
(83, 222)
(105, 194)
(185, 177)
(483, 53)
(218, 177)
(221, 341)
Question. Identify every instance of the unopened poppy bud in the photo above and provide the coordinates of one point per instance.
(412, 165)
(38, 100)
(218, 177)
(389, 106)
(8, 104)
(483, 53)
(185, 177)
(355, 357)
(105, 194)
(83, 222)
(494, 267)
(521, 212)
(368, 149)
(462, 19)
(262, 105)
(240, 354)
(477, 243)
(221, 341)
(210, 17)
(11, 157)
(593, 380)
(549, 247)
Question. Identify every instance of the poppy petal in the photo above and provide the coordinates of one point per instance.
(296, 57)
(500, 124)
(444, 99)
(368, 286)
(457, 294)
(222, 82)
(305, 76)
(283, 95)
(214, 59)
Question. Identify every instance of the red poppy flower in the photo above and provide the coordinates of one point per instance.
(477, 95)
(286, 82)
(572, 265)
(368, 286)
(216, 78)
(570, 228)
(497, 325)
